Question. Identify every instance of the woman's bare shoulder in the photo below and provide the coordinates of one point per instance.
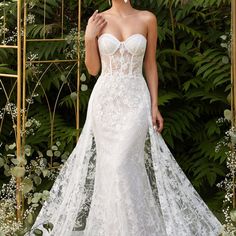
(148, 15)
(104, 13)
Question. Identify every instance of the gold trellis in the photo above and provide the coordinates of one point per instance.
(21, 47)
(233, 78)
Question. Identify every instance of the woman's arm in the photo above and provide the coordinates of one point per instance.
(150, 69)
(92, 59)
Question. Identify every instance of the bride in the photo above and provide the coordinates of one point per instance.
(121, 179)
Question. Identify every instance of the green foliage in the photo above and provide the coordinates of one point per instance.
(61, 132)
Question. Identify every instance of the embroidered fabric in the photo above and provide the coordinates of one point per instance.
(121, 179)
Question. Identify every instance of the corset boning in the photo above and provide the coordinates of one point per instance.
(122, 58)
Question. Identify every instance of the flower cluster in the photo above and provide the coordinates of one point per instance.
(71, 52)
(226, 42)
(10, 109)
(30, 100)
(34, 68)
(32, 172)
(228, 184)
(10, 38)
(31, 125)
(32, 3)
(30, 18)
(1, 114)
(8, 222)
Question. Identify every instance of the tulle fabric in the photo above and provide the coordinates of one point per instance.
(121, 179)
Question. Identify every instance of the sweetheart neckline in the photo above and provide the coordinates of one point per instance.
(123, 41)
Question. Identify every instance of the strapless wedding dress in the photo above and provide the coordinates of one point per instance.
(121, 179)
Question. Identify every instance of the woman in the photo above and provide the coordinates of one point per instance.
(121, 179)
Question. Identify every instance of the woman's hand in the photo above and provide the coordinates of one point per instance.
(157, 119)
(95, 24)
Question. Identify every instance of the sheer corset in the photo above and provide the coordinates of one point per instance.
(122, 58)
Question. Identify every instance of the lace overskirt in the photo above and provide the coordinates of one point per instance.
(121, 179)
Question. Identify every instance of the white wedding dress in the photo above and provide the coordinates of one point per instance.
(121, 179)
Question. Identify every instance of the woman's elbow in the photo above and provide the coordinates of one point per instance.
(92, 70)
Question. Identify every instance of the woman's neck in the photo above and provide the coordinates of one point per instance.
(120, 8)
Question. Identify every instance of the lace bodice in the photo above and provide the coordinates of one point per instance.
(122, 58)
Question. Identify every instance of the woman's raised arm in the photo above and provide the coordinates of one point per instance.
(92, 58)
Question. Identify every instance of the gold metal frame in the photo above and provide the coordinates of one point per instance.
(233, 80)
(233, 100)
(21, 80)
(18, 131)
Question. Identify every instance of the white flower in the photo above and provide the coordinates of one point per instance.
(228, 114)
(224, 37)
(84, 87)
(83, 77)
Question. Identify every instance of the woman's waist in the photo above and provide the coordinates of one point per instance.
(119, 84)
(121, 76)
(127, 81)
